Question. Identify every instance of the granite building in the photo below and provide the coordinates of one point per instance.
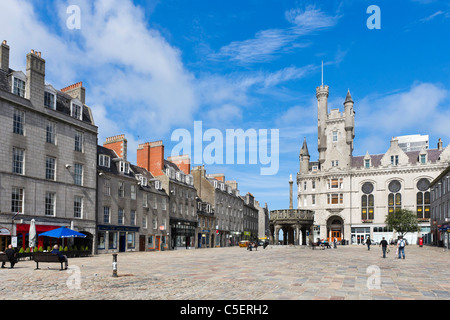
(351, 195)
(226, 203)
(440, 209)
(49, 147)
(132, 212)
(179, 186)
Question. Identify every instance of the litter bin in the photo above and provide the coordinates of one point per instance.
(343, 242)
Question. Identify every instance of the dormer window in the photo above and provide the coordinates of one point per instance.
(124, 167)
(423, 158)
(367, 163)
(104, 160)
(18, 87)
(216, 184)
(394, 160)
(143, 180)
(158, 184)
(76, 110)
(49, 100)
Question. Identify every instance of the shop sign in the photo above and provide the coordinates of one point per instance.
(4, 232)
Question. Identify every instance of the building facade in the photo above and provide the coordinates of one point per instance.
(179, 186)
(250, 218)
(132, 208)
(440, 209)
(49, 148)
(226, 203)
(351, 195)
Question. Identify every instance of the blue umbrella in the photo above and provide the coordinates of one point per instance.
(62, 232)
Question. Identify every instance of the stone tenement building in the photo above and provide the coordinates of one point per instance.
(178, 183)
(351, 195)
(226, 205)
(132, 208)
(440, 209)
(48, 154)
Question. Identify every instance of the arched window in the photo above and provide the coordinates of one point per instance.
(423, 199)
(367, 202)
(395, 197)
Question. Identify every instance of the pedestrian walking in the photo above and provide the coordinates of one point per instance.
(335, 242)
(401, 247)
(368, 242)
(384, 244)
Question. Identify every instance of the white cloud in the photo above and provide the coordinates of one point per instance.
(423, 109)
(267, 43)
(129, 67)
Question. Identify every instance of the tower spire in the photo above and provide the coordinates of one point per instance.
(322, 73)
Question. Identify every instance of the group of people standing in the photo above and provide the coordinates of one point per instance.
(401, 244)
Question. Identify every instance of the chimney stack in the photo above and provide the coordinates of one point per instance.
(183, 162)
(118, 144)
(150, 155)
(76, 91)
(35, 85)
(4, 57)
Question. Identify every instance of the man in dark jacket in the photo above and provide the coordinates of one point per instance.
(384, 244)
(62, 257)
(11, 253)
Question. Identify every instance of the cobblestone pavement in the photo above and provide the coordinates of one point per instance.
(274, 273)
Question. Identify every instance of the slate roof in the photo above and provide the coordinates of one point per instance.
(62, 99)
(413, 156)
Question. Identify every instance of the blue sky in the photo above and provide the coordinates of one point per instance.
(151, 67)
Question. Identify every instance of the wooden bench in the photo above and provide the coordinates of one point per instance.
(3, 257)
(46, 257)
(315, 245)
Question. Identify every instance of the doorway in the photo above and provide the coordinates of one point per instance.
(158, 243)
(122, 242)
(141, 243)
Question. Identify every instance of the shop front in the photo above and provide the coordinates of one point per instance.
(22, 232)
(113, 238)
(183, 233)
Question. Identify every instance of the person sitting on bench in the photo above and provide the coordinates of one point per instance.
(62, 258)
(11, 254)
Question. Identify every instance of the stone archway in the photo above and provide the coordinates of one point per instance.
(335, 228)
(294, 223)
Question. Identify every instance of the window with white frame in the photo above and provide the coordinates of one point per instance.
(76, 110)
(79, 141)
(124, 167)
(335, 136)
(50, 203)
(78, 174)
(155, 222)
(133, 217)
(120, 216)
(18, 122)
(106, 215)
(50, 132)
(121, 190)
(17, 195)
(394, 160)
(104, 160)
(50, 166)
(77, 207)
(144, 221)
(19, 87)
(18, 161)
(133, 192)
(163, 203)
(367, 163)
(49, 100)
(107, 187)
(145, 200)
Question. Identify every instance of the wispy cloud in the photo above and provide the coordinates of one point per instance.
(268, 43)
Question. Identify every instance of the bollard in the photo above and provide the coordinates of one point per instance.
(114, 265)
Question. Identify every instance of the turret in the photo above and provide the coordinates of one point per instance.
(322, 114)
(304, 158)
(349, 120)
